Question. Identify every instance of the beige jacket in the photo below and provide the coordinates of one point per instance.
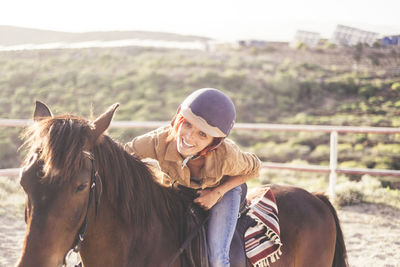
(226, 160)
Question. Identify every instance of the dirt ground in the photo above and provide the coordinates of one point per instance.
(372, 234)
(12, 230)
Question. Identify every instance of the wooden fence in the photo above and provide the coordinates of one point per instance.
(334, 131)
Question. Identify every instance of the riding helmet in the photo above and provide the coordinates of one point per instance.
(210, 110)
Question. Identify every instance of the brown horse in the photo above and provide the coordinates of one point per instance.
(80, 184)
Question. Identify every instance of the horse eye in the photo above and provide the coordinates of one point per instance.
(81, 187)
(40, 174)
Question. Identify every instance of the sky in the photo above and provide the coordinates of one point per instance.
(219, 19)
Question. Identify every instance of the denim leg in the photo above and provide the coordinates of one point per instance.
(221, 227)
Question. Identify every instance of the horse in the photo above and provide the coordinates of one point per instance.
(84, 191)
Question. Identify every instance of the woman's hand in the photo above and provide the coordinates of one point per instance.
(208, 198)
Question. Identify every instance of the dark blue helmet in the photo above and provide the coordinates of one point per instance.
(210, 110)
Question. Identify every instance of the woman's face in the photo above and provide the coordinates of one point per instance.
(191, 140)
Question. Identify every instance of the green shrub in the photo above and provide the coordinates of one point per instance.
(284, 152)
(344, 148)
(367, 91)
(358, 52)
(269, 49)
(348, 193)
(350, 164)
(300, 46)
(396, 86)
(358, 147)
(320, 153)
(374, 57)
(310, 66)
(329, 45)
(313, 182)
(253, 51)
(386, 149)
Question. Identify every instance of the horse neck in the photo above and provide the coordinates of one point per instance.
(142, 214)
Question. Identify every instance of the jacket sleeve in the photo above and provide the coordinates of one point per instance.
(241, 163)
(143, 146)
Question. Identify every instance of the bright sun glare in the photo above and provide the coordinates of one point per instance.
(222, 19)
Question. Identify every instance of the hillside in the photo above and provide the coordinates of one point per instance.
(10, 35)
(275, 84)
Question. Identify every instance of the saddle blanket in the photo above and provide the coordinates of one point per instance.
(262, 241)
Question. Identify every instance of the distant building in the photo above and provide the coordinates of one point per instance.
(391, 40)
(350, 36)
(252, 43)
(310, 39)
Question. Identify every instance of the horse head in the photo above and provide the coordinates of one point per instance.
(60, 182)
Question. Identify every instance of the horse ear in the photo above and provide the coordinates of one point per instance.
(103, 122)
(41, 111)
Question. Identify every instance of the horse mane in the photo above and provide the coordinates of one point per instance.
(131, 186)
(59, 143)
(127, 181)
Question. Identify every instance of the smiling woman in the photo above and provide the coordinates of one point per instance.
(195, 153)
(191, 140)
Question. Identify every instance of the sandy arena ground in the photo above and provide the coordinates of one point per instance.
(372, 234)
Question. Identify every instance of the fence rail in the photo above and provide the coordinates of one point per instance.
(242, 126)
(332, 169)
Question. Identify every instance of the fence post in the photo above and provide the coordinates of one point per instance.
(333, 165)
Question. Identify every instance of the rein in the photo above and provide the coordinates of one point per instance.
(76, 247)
(192, 212)
(189, 238)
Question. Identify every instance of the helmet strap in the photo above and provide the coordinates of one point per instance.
(185, 161)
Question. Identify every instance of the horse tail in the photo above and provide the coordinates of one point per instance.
(340, 258)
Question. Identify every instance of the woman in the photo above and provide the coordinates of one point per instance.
(194, 152)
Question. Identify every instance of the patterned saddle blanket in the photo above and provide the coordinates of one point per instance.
(257, 237)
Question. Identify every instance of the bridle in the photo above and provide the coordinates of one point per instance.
(76, 247)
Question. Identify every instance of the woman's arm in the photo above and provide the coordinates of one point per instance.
(209, 197)
(238, 168)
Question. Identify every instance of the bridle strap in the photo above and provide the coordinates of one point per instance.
(76, 247)
(82, 230)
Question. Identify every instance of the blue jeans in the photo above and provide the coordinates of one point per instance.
(221, 227)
